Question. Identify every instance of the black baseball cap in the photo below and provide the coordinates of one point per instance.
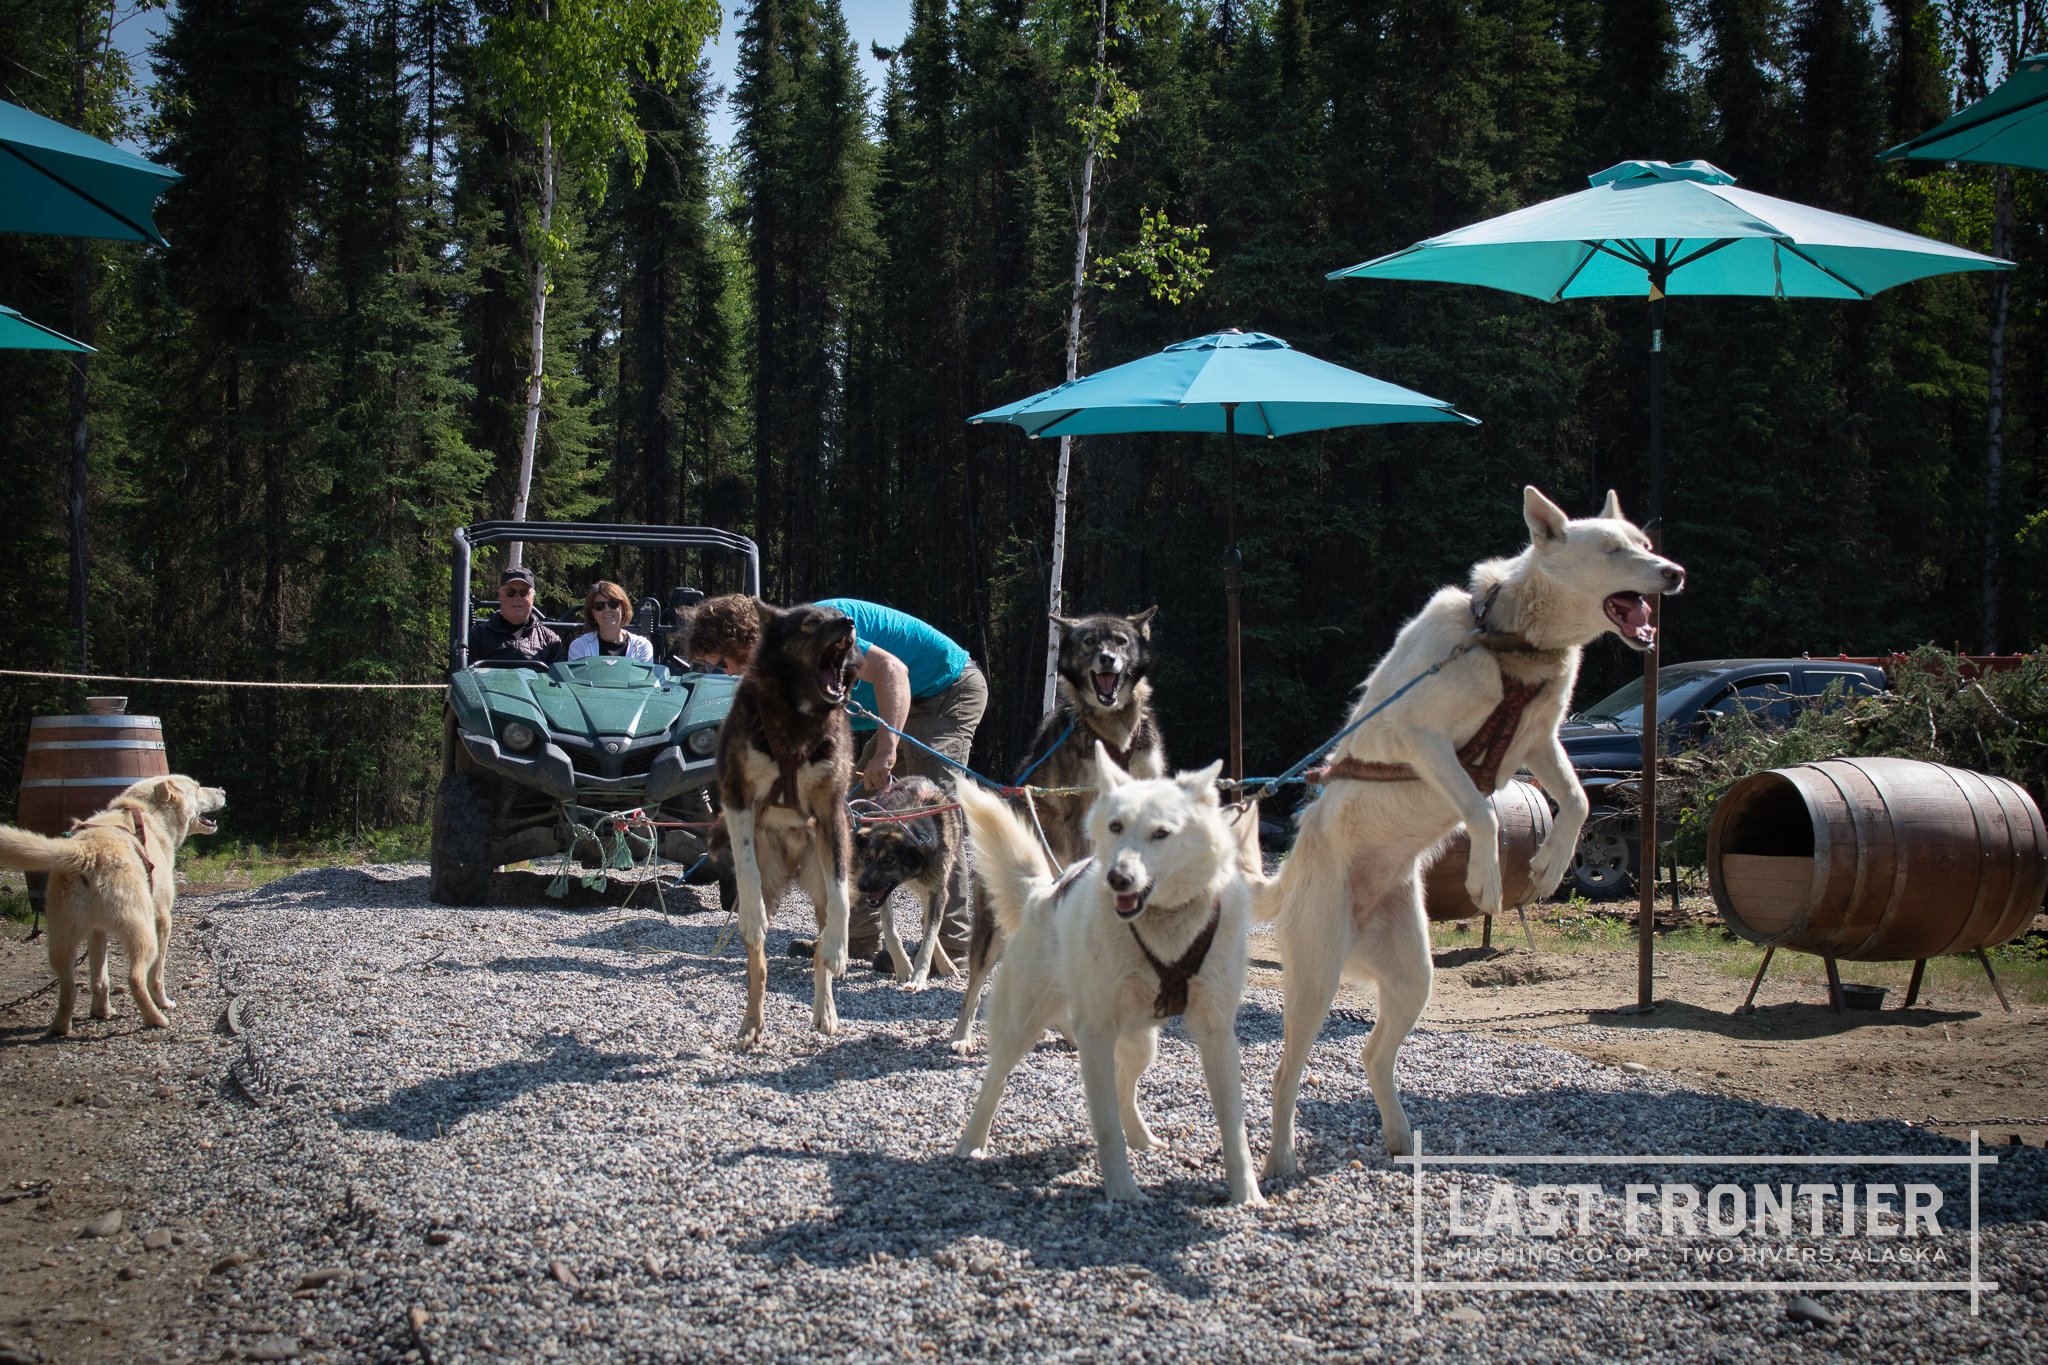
(517, 574)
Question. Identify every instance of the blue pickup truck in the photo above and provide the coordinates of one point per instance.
(1605, 741)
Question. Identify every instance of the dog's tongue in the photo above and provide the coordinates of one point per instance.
(1631, 612)
(1105, 687)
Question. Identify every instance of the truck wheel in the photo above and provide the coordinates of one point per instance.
(1604, 867)
(461, 864)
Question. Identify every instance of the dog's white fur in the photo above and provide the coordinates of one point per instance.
(99, 889)
(1072, 960)
(1348, 900)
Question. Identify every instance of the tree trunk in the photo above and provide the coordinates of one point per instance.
(81, 329)
(1994, 464)
(515, 552)
(1056, 598)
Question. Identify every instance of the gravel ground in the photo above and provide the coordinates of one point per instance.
(522, 1132)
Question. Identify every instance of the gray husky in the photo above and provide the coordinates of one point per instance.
(1102, 695)
(926, 855)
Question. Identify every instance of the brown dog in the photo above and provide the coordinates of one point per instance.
(114, 877)
(785, 762)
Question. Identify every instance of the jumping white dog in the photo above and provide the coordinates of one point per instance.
(1348, 900)
(1155, 924)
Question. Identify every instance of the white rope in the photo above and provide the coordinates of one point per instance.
(223, 682)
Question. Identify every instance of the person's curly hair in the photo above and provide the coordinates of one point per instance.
(722, 627)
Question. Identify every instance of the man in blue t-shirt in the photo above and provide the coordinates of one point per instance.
(911, 675)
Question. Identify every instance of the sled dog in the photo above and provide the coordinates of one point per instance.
(785, 762)
(924, 853)
(114, 877)
(1153, 925)
(1102, 694)
(1346, 900)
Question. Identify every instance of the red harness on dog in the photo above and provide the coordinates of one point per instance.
(1481, 755)
(141, 843)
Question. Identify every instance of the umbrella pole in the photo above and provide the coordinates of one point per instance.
(1646, 863)
(1233, 562)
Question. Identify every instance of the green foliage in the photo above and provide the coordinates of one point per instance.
(1171, 260)
(1996, 723)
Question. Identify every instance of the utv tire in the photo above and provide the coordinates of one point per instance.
(461, 864)
(1604, 865)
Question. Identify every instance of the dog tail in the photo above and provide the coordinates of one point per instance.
(1011, 865)
(31, 852)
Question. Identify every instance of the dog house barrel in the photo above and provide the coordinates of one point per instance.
(1525, 820)
(76, 764)
(1877, 859)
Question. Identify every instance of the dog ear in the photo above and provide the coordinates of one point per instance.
(1065, 622)
(1108, 776)
(1201, 783)
(1143, 621)
(1612, 509)
(766, 614)
(1546, 519)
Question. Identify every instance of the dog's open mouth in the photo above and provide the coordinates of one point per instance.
(835, 671)
(1630, 612)
(1105, 686)
(204, 826)
(1129, 903)
(877, 899)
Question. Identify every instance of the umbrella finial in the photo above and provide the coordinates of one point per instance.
(1705, 172)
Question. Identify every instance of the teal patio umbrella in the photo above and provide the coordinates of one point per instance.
(1226, 382)
(18, 333)
(1653, 229)
(57, 180)
(2007, 127)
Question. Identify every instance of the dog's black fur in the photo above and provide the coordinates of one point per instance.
(785, 759)
(927, 856)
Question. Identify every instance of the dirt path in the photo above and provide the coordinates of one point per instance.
(67, 1107)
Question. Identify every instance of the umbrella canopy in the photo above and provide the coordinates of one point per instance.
(1241, 381)
(1226, 382)
(1684, 229)
(57, 180)
(1652, 229)
(18, 333)
(2007, 127)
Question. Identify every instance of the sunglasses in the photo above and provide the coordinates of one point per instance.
(515, 590)
(609, 604)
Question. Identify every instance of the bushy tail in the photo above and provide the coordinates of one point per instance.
(1006, 856)
(30, 852)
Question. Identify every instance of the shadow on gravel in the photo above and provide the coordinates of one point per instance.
(851, 1057)
(429, 1109)
(1573, 1121)
(924, 1207)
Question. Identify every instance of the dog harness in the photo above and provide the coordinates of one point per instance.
(141, 843)
(788, 765)
(1173, 980)
(1483, 754)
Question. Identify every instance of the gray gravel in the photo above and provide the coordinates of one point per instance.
(521, 1132)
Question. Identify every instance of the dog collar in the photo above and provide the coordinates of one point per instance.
(1173, 980)
(1499, 641)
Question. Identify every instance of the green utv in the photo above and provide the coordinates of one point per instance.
(539, 759)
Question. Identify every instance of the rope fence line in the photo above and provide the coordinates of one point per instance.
(226, 682)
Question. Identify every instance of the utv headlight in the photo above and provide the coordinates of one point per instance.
(701, 743)
(519, 737)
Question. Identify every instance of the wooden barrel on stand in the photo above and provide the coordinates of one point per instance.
(1524, 815)
(76, 764)
(1877, 859)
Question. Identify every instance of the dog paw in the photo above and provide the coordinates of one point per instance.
(1249, 1198)
(749, 1037)
(1145, 1140)
(1125, 1192)
(1280, 1166)
(914, 984)
(961, 1047)
(968, 1153)
(62, 1030)
(825, 1019)
(1483, 886)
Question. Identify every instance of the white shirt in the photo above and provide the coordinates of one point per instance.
(637, 647)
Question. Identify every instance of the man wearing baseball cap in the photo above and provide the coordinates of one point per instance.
(513, 632)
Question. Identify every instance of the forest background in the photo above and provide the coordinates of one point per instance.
(324, 374)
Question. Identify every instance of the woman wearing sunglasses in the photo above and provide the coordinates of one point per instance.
(605, 610)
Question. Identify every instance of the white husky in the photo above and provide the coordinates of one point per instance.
(1347, 898)
(1155, 924)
